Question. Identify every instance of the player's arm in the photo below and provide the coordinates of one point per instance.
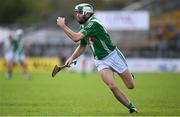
(71, 34)
(78, 51)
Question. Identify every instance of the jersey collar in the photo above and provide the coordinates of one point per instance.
(87, 22)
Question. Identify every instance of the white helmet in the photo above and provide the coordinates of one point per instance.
(84, 8)
(19, 31)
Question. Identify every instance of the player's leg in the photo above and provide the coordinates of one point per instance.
(108, 78)
(24, 69)
(121, 68)
(129, 82)
(23, 64)
(128, 79)
(9, 69)
(118, 64)
(9, 64)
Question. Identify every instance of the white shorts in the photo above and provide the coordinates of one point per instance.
(12, 57)
(18, 58)
(115, 61)
(9, 56)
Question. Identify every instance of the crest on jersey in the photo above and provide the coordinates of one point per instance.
(91, 41)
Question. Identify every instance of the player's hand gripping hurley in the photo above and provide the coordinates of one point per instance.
(59, 68)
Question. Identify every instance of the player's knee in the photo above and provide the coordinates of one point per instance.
(112, 86)
(131, 86)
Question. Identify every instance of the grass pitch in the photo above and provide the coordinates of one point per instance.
(156, 94)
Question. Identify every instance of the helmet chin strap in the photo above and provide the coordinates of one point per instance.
(87, 18)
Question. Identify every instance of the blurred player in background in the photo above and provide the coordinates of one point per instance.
(16, 54)
(8, 55)
(108, 58)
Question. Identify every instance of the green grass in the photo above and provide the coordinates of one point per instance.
(156, 94)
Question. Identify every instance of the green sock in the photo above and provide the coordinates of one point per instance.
(131, 105)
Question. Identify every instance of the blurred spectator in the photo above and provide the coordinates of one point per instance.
(160, 34)
(171, 36)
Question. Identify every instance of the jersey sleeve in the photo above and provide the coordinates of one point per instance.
(90, 30)
(83, 42)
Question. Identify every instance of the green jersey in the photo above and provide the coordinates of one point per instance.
(97, 37)
(17, 44)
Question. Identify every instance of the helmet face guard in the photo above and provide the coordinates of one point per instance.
(84, 8)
